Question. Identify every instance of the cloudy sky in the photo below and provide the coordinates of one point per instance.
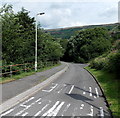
(68, 13)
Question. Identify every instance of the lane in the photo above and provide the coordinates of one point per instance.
(75, 93)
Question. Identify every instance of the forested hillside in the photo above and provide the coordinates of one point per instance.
(66, 33)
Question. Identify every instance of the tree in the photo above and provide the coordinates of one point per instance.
(87, 44)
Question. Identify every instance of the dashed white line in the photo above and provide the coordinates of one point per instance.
(97, 92)
(71, 89)
(101, 112)
(38, 113)
(7, 112)
(90, 91)
(91, 112)
(26, 113)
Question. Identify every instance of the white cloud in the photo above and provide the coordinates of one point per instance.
(67, 14)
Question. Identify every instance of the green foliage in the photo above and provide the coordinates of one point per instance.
(114, 63)
(66, 33)
(18, 39)
(87, 44)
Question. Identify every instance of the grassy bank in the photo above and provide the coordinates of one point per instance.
(24, 74)
(110, 86)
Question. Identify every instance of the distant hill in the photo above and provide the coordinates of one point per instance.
(66, 33)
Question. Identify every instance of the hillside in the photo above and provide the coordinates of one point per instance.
(66, 33)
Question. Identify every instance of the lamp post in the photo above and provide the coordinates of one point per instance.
(36, 41)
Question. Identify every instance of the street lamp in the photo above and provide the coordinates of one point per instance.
(36, 41)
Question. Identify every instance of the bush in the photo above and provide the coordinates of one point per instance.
(114, 63)
(98, 64)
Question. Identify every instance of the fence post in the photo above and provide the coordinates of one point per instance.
(25, 67)
(11, 71)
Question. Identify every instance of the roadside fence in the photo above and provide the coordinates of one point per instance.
(10, 70)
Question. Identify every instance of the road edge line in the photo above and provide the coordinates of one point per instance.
(28, 93)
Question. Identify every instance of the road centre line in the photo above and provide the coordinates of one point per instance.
(71, 89)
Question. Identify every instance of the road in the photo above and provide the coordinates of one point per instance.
(74, 93)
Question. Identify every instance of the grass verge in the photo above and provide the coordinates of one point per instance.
(110, 86)
(24, 74)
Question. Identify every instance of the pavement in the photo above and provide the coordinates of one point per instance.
(73, 93)
(11, 89)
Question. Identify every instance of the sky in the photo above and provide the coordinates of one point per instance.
(69, 13)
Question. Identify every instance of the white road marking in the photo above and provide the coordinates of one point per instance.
(97, 92)
(82, 105)
(95, 97)
(71, 89)
(84, 93)
(28, 100)
(7, 112)
(26, 113)
(23, 104)
(55, 112)
(91, 112)
(53, 87)
(66, 108)
(51, 109)
(90, 91)
(26, 107)
(101, 112)
(38, 100)
(38, 113)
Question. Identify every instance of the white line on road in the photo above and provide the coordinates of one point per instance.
(82, 105)
(26, 113)
(7, 112)
(51, 109)
(53, 87)
(71, 89)
(90, 91)
(91, 112)
(97, 92)
(38, 100)
(38, 113)
(66, 108)
(101, 112)
(55, 112)
(84, 93)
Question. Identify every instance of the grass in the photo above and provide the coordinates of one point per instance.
(24, 74)
(110, 85)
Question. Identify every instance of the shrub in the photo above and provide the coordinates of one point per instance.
(114, 63)
(98, 63)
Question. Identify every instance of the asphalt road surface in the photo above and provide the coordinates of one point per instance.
(74, 93)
